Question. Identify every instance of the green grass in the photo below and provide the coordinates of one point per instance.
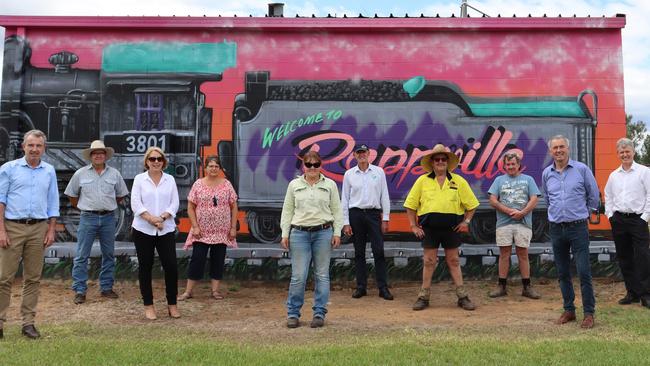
(622, 337)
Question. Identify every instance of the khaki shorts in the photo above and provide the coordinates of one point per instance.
(518, 234)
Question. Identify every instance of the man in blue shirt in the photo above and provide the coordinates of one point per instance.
(29, 206)
(514, 196)
(571, 192)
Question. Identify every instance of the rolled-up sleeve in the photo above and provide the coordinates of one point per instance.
(593, 194)
(287, 211)
(172, 208)
(4, 184)
(52, 195)
(137, 205)
(335, 206)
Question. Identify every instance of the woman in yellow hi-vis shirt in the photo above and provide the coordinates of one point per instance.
(439, 206)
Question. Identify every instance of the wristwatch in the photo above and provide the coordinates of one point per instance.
(466, 221)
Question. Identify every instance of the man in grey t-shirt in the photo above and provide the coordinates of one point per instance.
(95, 189)
(514, 196)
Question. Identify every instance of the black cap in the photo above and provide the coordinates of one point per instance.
(360, 147)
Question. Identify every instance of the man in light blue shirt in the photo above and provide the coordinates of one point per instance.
(29, 206)
(571, 192)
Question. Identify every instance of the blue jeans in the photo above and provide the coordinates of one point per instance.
(90, 226)
(567, 239)
(303, 247)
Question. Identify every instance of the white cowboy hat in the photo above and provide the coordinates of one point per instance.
(452, 163)
(97, 145)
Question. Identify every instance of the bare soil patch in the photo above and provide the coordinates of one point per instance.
(253, 312)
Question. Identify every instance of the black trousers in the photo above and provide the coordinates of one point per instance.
(165, 245)
(366, 226)
(632, 242)
(199, 256)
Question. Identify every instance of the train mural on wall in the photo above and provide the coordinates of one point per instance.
(260, 99)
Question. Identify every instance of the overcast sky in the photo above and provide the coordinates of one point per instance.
(636, 34)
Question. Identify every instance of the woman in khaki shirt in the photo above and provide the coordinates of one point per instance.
(311, 225)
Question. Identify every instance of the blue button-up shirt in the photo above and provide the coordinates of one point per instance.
(571, 193)
(29, 193)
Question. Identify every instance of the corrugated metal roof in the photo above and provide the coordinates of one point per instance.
(329, 22)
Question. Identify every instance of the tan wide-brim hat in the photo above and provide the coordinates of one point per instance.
(452, 163)
(97, 145)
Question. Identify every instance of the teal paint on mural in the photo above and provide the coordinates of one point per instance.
(169, 57)
(528, 109)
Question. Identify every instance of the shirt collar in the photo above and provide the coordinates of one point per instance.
(320, 179)
(162, 179)
(633, 167)
(23, 162)
(357, 169)
(571, 163)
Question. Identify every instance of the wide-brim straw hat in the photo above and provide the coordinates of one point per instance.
(426, 162)
(97, 145)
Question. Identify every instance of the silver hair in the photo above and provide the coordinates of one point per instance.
(624, 142)
(558, 137)
(35, 133)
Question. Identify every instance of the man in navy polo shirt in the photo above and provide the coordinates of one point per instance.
(570, 191)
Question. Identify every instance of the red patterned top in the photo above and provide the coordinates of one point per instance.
(213, 221)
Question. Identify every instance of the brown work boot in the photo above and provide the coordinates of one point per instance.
(466, 303)
(587, 322)
(423, 299)
(498, 292)
(567, 316)
(530, 293)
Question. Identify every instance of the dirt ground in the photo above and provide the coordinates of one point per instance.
(255, 311)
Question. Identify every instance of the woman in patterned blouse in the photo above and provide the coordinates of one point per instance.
(212, 209)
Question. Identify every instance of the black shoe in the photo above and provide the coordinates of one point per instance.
(317, 322)
(385, 294)
(30, 332)
(79, 298)
(629, 299)
(110, 294)
(360, 292)
(645, 301)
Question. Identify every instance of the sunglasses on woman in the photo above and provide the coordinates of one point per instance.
(437, 160)
(214, 201)
(156, 158)
(313, 165)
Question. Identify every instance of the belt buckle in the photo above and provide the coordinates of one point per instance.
(30, 221)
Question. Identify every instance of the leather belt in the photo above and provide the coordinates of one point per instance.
(324, 226)
(627, 214)
(373, 210)
(570, 223)
(101, 212)
(26, 221)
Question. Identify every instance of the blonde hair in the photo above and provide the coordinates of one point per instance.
(159, 151)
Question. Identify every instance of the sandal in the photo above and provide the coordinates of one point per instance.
(184, 296)
(217, 295)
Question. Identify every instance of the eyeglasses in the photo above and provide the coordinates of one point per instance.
(214, 201)
(156, 158)
(313, 165)
(437, 160)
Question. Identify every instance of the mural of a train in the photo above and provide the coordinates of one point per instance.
(128, 103)
(261, 91)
